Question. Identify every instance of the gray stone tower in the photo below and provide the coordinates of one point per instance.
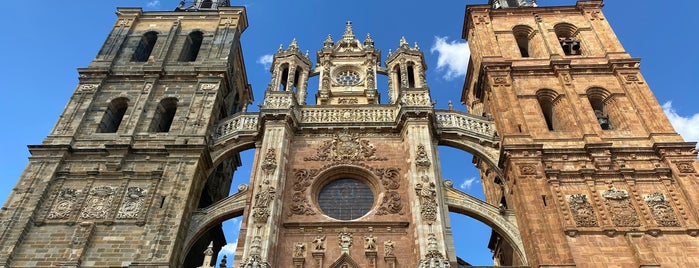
(117, 180)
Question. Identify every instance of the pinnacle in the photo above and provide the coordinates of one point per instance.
(348, 31)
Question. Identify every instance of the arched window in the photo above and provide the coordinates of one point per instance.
(191, 47)
(164, 114)
(567, 37)
(284, 78)
(145, 47)
(546, 98)
(597, 98)
(112, 116)
(399, 77)
(523, 35)
(411, 75)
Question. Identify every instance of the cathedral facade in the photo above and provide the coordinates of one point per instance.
(580, 167)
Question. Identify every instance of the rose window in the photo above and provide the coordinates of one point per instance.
(347, 78)
(346, 199)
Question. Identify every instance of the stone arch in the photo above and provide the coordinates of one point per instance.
(503, 223)
(204, 219)
(486, 153)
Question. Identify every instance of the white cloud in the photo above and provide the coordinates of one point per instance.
(265, 60)
(687, 127)
(229, 249)
(466, 185)
(453, 57)
(153, 3)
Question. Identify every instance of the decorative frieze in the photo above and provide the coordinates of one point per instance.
(582, 211)
(346, 147)
(620, 208)
(661, 210)
(348, 115)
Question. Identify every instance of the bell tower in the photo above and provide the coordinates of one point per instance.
(592, 168)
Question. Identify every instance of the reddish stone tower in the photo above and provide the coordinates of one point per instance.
(593, 170)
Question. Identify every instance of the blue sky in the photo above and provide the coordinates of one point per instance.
(45, 41)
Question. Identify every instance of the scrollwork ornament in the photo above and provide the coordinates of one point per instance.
(391, 204)
(527, 170)
(685, 166)
(88, 87)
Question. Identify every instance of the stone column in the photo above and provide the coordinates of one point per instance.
(268, 180)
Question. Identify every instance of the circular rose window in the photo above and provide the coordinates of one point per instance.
(347, 78)
(346, 199)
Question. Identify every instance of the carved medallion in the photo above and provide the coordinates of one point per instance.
(64, 203)
(661, 209)
(582, 211)
(527, 170)
(622, 211)
(685, 166)
(346, 147)
(98, 203)
(133, 203)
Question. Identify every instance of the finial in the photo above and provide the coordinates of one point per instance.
(306, 53)
(224, 262)
(293, 44)
(281, 47)
(390, 52)
(348, 30)
(451, 106)
(368, 41)
(534, 3)
(403, 42)
(210, 249)
(328, 41)
(416, 47)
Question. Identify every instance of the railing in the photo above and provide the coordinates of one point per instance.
(238, 124)
(447, 119)
(348, 114)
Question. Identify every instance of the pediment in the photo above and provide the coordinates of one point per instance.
(345, 261)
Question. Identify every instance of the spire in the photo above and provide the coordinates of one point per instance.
(348, 31)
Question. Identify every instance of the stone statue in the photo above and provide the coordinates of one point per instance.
(370, 243)
(319, 243)
(299, 250)
(388, 247)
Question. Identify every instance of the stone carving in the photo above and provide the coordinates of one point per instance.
(98, 203)
(132, 204)
(433, 258)
(388, 248)
(348, 114)
(278, 101)
(389, 177)
(345, 240)
(208, 86)
(269, 165)
(299, 250)
(319, 243)
(390, 204)
(347, 101)
(254, 261)
(264, 196)
(346, 147)
(685, 166)
(527, 170)
(370, 243)
(582, 211)
(661, 210)
(420, 98)
(427, 193)
(620, 208)
(422, 161)
(299, 202)
(88, 87)
(63, 206)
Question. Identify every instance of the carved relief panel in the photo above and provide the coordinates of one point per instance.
(622, 211)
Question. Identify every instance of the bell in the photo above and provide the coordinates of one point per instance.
(576, 46)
